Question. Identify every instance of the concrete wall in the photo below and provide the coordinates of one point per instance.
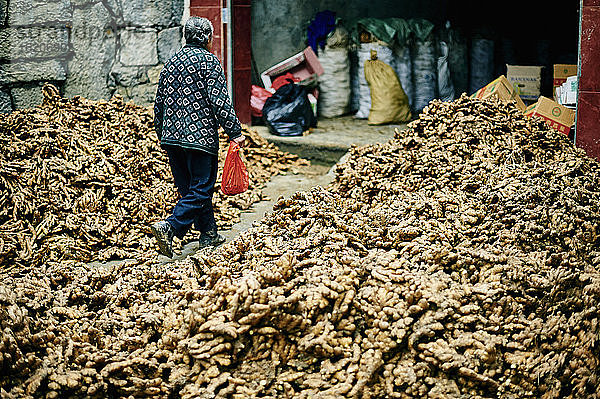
(279, 26)
(93, 48)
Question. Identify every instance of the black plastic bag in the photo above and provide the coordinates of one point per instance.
(288, 112)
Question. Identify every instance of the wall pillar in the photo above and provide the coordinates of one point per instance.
(211, 9)
(588, 104)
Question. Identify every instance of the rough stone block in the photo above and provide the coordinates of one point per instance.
(142, 94)
(27, 96)
(33, 71)
(37, 12)
(152, 12)
(83, 3)
(154, 73)
(169, 41)
(123, 92)
(3, 7)
(5, 102)
(123, 75)
(112, 6)
(94, 44)
(138, 47)
(34, 42)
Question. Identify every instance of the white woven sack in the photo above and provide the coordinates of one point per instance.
(445, 86)
(334, 84)
(403, 67)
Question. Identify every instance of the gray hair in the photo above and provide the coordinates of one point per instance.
(198, 30)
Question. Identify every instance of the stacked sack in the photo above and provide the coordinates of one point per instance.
(334, 84)
(430, 63)
(389, 103)
(402, 63)
(424, 63)
(384, 54)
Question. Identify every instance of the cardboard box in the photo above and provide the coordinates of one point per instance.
(526, 80)
(304, 65)
(570, 90)
(556, 116)
(558, 95)
(561, 73)
(566, 94)
(502, 89)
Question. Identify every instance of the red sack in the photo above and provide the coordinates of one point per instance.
(257, 100)
(235, 176)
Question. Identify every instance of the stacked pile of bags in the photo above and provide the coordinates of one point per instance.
(389, 69)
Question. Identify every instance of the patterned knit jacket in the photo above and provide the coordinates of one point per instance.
(192, 101)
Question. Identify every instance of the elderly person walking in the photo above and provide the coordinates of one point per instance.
(191, 102)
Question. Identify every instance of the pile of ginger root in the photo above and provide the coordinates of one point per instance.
(459, 260)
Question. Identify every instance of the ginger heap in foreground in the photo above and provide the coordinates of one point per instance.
(459, 260)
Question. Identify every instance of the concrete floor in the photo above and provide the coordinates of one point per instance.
(281, 186)
(330, 140)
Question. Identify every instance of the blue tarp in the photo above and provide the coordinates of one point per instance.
(319, 28)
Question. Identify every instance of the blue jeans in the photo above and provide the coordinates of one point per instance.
(195, 174)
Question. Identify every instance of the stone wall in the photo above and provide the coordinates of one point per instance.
(92, 48)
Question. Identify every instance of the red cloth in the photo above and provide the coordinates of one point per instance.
(257, 99)
(284, 80)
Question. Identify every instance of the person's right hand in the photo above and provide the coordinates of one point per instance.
(241, 140)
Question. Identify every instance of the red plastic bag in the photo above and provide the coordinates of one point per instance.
(257, 100)
(235, 175)
(284, 80)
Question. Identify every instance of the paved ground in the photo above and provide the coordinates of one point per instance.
(332, 138)
(281, 186)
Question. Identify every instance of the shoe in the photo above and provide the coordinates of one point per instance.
(163, 232)
(210, 239)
